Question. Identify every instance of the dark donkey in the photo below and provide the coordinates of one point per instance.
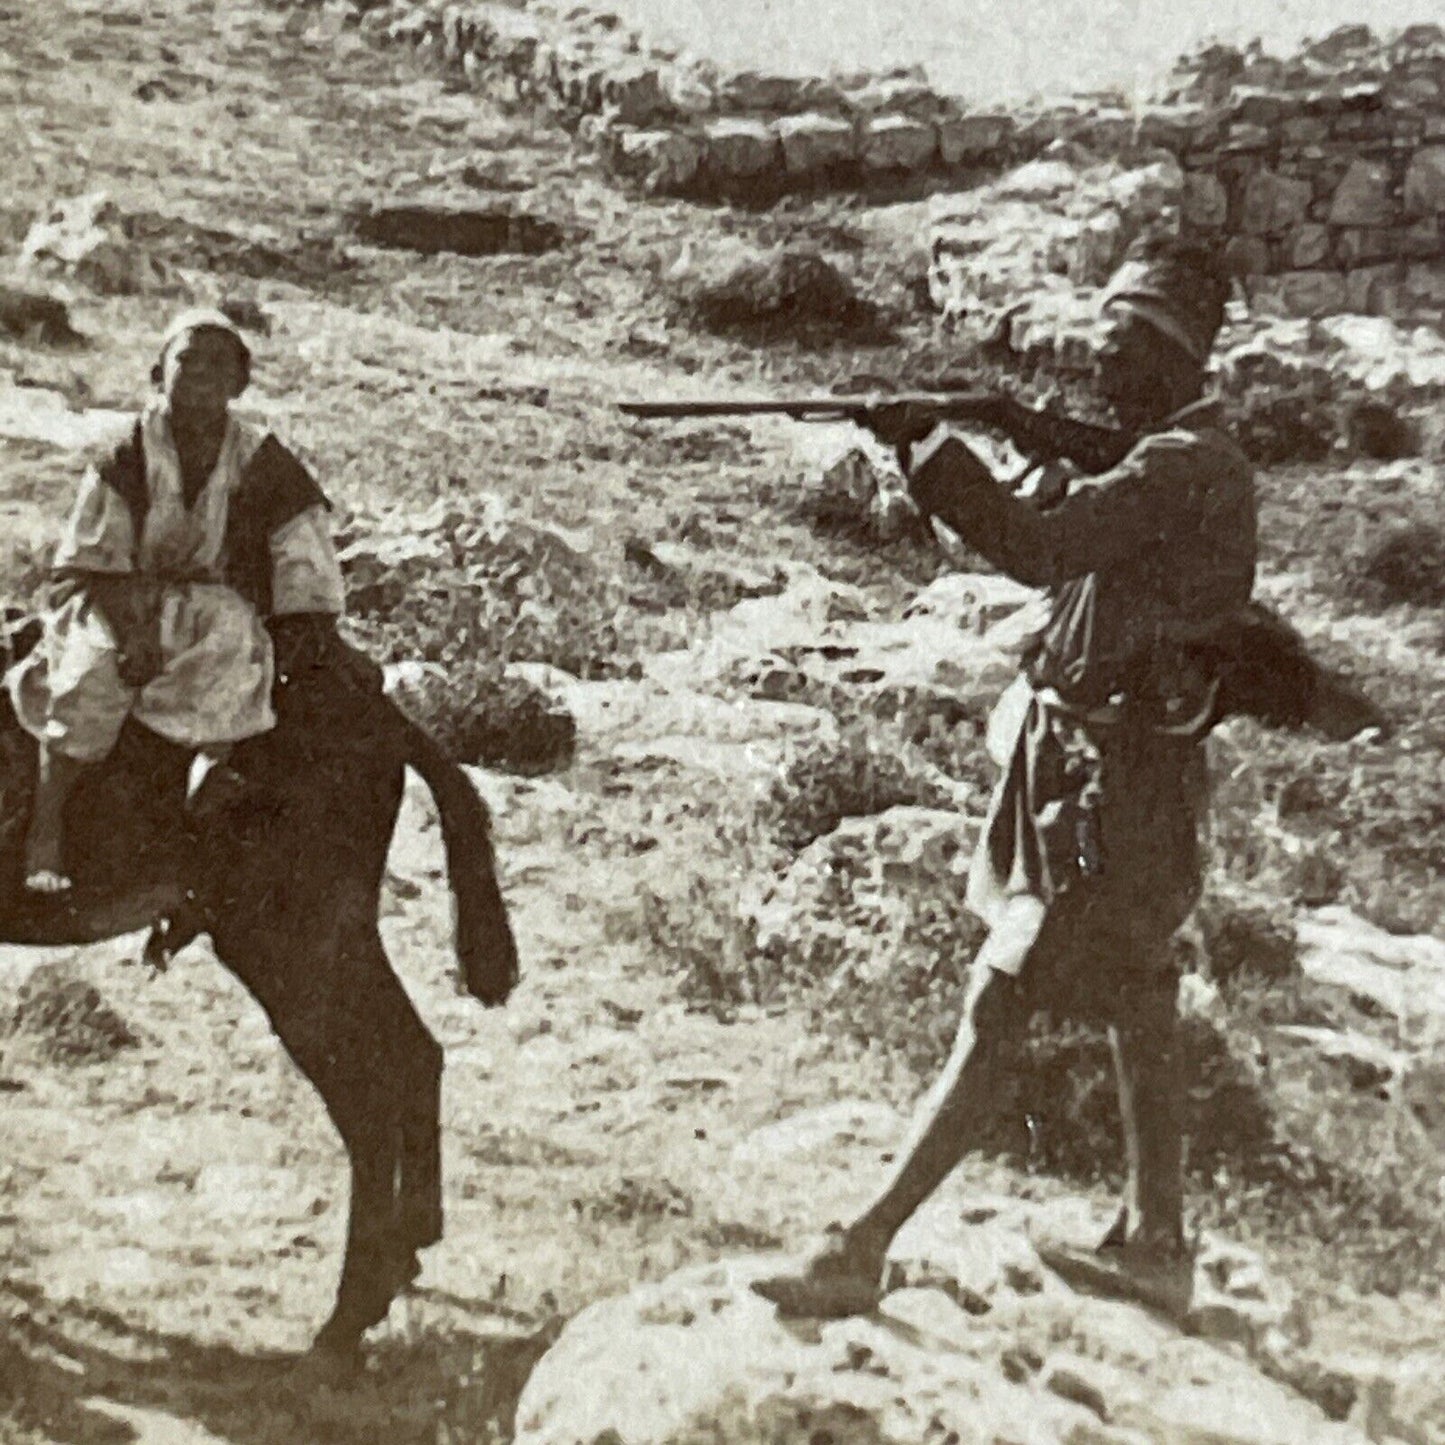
(285, 875)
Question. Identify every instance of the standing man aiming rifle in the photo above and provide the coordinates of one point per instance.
(1089, 859)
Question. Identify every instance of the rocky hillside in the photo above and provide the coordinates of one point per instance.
(726, 701)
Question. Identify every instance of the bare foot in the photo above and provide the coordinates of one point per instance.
(840, 1279)
(1157, 1278)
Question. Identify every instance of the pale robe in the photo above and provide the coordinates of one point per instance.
(214, 682)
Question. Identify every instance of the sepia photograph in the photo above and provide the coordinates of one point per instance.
(723, 722)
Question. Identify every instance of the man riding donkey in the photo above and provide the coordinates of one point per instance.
(194, 533)
(1090, 858)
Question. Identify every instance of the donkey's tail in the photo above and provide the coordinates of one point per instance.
(486, 947)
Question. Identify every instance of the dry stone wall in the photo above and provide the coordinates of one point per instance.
(1323, 174)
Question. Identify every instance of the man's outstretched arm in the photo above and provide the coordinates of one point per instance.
(1101, 521)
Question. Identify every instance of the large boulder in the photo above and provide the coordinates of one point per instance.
(975, 1342)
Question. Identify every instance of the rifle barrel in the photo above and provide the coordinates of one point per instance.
(771, 407)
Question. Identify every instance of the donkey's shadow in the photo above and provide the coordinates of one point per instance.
(78, 1375)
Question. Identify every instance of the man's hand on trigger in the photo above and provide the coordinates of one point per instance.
(899, 425)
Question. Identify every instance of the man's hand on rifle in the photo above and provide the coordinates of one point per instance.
(900, 425)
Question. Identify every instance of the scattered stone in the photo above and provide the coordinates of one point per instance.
(816, 143)
(86, 240)
(898, 143)
(741, 149)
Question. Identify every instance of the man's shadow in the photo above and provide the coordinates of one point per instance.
(80, 1375)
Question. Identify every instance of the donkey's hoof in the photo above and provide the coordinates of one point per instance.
(335, 1352)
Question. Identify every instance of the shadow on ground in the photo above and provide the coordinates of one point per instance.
(85, 1376)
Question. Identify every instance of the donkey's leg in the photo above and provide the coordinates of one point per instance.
(411, 1061)
(331, 1007)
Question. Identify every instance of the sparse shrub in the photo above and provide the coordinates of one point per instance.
(1405, 563)
(1376, 429)
(66, 1019)
(489, 717)
(1247, 934)
(1062, 1113)
(34, 315)
(784, 291)
(1273, 427)
(636, 1199)
(697, 585)
(858, 776)
(24, 571)
(484, 585)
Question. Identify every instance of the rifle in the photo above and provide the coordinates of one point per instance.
(1041, 433)
(854, 407)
